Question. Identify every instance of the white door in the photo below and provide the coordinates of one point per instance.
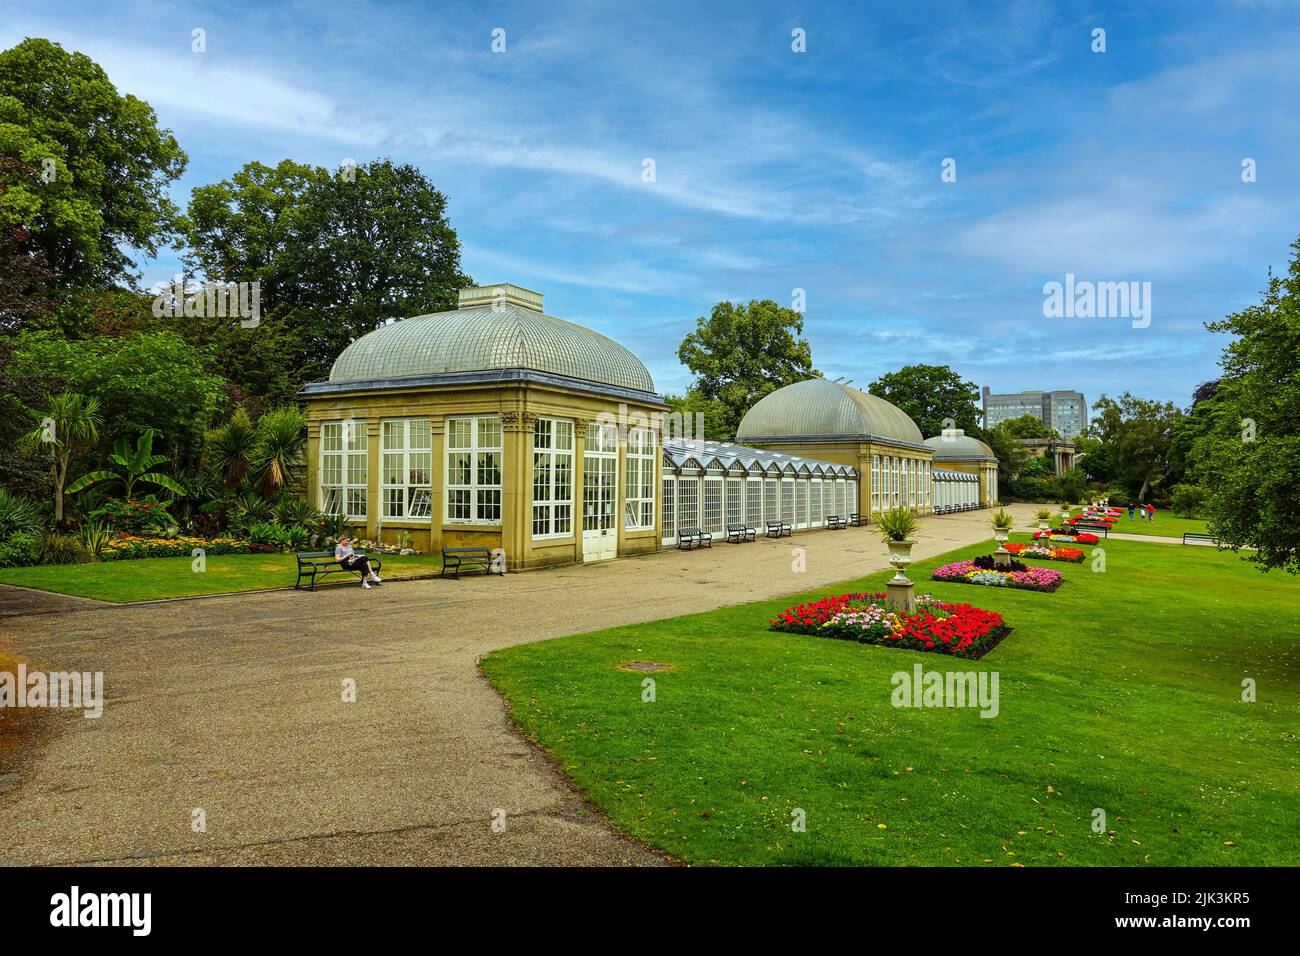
(600, 493)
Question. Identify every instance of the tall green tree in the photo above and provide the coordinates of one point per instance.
(740, 353)
(1246, 460)
(105, 164)
(338, 255)
(1137, 434)
(934, 396)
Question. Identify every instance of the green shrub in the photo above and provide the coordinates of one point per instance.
(60, 549)
(332, 527)
(133, 515)
(19, 551)
(18, 516)
(1187, 499)
(94, 538)
(277, 536)
(296, 512)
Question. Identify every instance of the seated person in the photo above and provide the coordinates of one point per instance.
(352, 561)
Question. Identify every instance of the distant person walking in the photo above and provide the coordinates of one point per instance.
(1130, 511)
(1151, 513)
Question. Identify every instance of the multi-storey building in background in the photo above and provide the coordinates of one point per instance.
(1065, 411)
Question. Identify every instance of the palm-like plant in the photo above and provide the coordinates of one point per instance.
(134, 466)
(896, 524)
(68, 423)
(280, 437)
(1002, 520)
(17, 516)
(295, 512)
(231, 448)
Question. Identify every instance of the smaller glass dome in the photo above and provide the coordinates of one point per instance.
(955, 444)
(820, 408)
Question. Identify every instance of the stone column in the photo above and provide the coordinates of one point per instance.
(580, 426)
(374, 479)
(516, 486)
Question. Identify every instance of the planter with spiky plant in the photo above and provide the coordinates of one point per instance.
(1002, 522)
(1044, 518)
(896, 527)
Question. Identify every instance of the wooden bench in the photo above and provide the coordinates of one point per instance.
(314, 564)
(454, 559)
(855, 520)
(778, 529)
(736, 533)
(835, 522)
(1198, 536)
(689, 538)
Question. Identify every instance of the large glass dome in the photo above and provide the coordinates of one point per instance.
(510, 333)
(820, 408)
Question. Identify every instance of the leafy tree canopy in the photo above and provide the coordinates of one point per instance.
(104, 164)
(337, 255)
(1136, 433)
(740, 353)
(934, 396)
(1246, 459)
(1027, 426)
(141, 381)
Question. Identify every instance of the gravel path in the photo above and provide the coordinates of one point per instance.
(233, 706)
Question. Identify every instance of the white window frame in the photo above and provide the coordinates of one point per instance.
(481, 497)
(552, 507)
(639, 504)
(410, 493)
(352, 463)
(668, 508)
(754, 501)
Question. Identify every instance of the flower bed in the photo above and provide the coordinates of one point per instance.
(937, 626)
(1074, 537)
(1046, 553)
(127, 546)
(1030, 579)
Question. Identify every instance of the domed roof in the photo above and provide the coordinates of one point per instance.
(495, 328)
(820, 408)
(956, 444)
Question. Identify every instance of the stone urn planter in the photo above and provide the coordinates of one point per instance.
(1002, 555)
(899, 588)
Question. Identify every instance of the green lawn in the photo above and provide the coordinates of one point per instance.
(1121, 691)
(1166, 524)
(150, 579)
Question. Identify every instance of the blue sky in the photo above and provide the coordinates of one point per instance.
(778, 170)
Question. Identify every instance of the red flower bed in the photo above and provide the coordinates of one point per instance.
(937, 626)
(1043, 552)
